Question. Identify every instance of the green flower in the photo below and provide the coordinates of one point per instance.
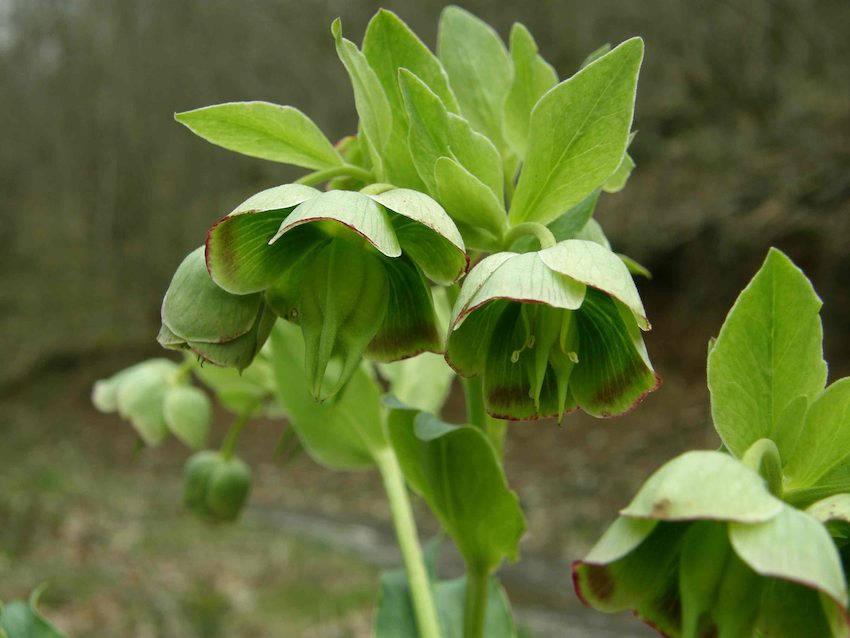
(348, 267)
(222, 328)
(705, 549)
(552, 330)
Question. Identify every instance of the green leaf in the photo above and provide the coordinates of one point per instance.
(533, 77)
(239, 257)
(571, 223)
(595, 55)
(435, 133)
(704, 485)
(188, 414)
(476, 210)
(239, 391)
(422, 382)
(373, 107)
(767, 354)
(623, 536)
(788, 609)
(578, 134)
(341, 434)
(357, 211)
(479, 69)
(461, 479)
(390, 45)
(793, 546)
(620, 177)
(834, 513)
(22, 620)
(824, 441)
(264, 130)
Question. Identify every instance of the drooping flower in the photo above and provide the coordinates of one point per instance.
(704, 549)
(349, 267)
(552, 330)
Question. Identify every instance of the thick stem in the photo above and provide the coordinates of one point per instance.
(543, 235)
(346, 170)
(475, 604)
(476, 414)
(408, 541)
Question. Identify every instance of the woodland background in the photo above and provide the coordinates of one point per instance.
(743, 116)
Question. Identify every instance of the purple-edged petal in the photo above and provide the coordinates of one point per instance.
(238, 256)
(354, 210)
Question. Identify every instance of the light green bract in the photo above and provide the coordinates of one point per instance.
(708, 547)
(349, 267)
(551, 331)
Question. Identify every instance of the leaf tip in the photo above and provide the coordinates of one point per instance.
(336, 30)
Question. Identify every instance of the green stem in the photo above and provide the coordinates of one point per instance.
(543, 235)
(476, 414)
(239, 423)
(408, 540)
(475, 604)
(183, 370)
(346, 170)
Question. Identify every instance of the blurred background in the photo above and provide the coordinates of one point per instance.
(743, 116)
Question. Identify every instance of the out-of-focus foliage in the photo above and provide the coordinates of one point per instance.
(743, 110)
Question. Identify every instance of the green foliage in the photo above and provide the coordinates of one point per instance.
(264, 130)
(22, 620)
(577, 136)
(767, 354)
(456, 471)
(755, 566)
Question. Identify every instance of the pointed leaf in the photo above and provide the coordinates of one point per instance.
(570, 224)
(824, 441)
(341, 434)
(767, 354)
(578, 134)
(533, 77)
(371, 102)
(620, 177)
(461, 479)
(593, 265)
(470, 203)
(479, 69)
(356, 211)
(390, 45)
(22, 620)
(793, 546)
(704, 485)
(264, 130)
(238, 254)
(435, 133)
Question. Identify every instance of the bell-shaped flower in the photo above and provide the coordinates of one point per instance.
(705, 549)
(349, 267)
(552, 330)
(222, 328)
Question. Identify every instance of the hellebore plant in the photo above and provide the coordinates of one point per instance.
(748, 540)
(457, 222)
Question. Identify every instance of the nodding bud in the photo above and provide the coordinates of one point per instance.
(216, 488)
(225, 329)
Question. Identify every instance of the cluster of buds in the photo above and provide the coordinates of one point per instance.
(216, 486)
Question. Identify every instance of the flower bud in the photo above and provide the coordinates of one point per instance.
(222, 328)
(216, 488)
